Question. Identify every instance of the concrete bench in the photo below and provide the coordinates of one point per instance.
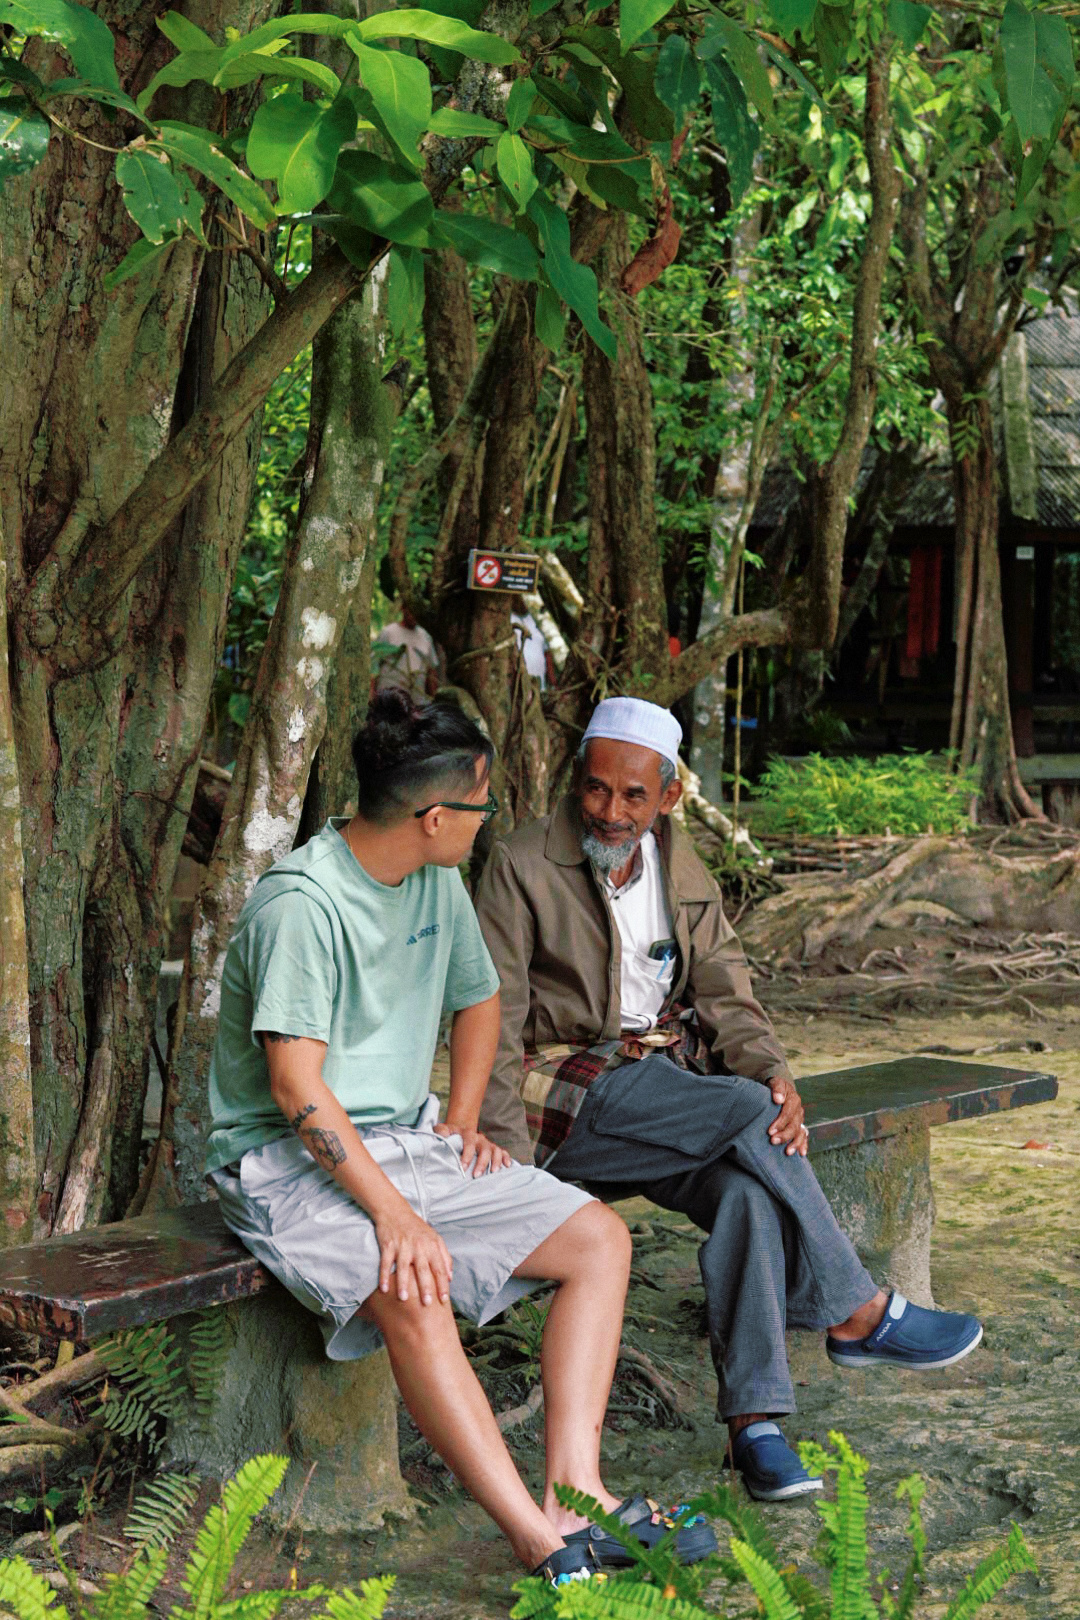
(276, 1391)
(870, 1148)
(870, 1143)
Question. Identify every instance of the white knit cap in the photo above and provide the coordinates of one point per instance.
(631, 720)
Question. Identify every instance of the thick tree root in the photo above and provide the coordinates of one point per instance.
(1028, 884)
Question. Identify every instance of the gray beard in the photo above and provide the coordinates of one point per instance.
(608, 858)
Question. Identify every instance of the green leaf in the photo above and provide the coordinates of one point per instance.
(24, 136)
(18, 73)
(192, 148)
(735, 129)
(401, 90)
(405, 291)
(678, 78)
(449, 32)
(85, 38)
(134, 260)
(744, 59)
(486, 243)
(240, 70)
(591, 145)
(382, 199)
(636, 17)
(540, 8)
(95, 92)
(297, 143)
(550, 318)
(160, 201)
(636, 74)
(908, 22)
(183, 69)
(448, 121)
(832, 35)
(182, 33)
(794, 16)
(519, 103)
(514, 162)
(1030, 95)
(574, 283)
(795, 73)
(629, 187)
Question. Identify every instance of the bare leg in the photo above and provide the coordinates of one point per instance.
(451, 1410)
(589, 1257)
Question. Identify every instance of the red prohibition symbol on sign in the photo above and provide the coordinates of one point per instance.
(488, 571)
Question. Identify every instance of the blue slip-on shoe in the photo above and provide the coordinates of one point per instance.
(770, 1470)
(910, 1336)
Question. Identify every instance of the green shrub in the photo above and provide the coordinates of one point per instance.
(130, 1595)
(902, 794)
(658, 1585)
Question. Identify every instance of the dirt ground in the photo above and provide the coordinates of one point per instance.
(996, 1438)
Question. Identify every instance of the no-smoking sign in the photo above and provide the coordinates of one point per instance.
(513, 571)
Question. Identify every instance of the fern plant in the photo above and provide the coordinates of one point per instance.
(658, 1585)
(129, 1595)
(146, 1383)
(159, 1514)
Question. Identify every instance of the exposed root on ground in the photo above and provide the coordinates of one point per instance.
(835, 891)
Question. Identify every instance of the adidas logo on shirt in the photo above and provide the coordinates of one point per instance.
(425, 933)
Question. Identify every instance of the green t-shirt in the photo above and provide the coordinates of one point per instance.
(321, 949)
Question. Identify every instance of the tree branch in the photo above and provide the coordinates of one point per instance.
(841, 471)
(766, 627)
(107, 562)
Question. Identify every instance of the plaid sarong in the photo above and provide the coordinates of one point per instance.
(558, 1077)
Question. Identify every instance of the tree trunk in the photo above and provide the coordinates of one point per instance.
(982, 667)
(89, 399)
(969, 337)
(17, 1179)
(336, 533)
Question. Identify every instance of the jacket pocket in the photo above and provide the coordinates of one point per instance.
(654, 1102)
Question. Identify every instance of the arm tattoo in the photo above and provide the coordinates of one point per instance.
(275, 1036)
(325, 1146)
(298, 1119)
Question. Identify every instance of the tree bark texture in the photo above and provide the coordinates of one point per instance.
(969, 332)
(94, 388)
(335, 537)
(837, 480)
(17, 1178)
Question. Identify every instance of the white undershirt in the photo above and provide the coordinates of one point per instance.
(641, 916)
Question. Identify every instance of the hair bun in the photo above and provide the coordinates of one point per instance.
(390, 719)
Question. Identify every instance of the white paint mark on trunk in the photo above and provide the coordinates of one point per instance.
(318, 629)
(211, 1005)
(297, 725)
(310, 671)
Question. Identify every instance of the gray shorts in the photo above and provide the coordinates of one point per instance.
(317, 1240)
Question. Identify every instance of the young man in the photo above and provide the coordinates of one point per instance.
(328, 1160)
(611, 941)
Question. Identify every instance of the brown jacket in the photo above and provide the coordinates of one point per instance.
(549, 929)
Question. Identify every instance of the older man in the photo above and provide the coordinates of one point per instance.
(634, 1057)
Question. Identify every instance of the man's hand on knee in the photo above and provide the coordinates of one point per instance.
(787, 1129)
(414, 1253)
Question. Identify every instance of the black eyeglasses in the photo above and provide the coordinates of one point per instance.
(487, 809)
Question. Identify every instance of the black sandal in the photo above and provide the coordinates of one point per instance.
(649, 1524)
(570, 1563)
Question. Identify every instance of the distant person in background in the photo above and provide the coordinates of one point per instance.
(405, 657)
(530, 639)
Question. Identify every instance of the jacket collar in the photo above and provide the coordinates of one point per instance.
(689, 879)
